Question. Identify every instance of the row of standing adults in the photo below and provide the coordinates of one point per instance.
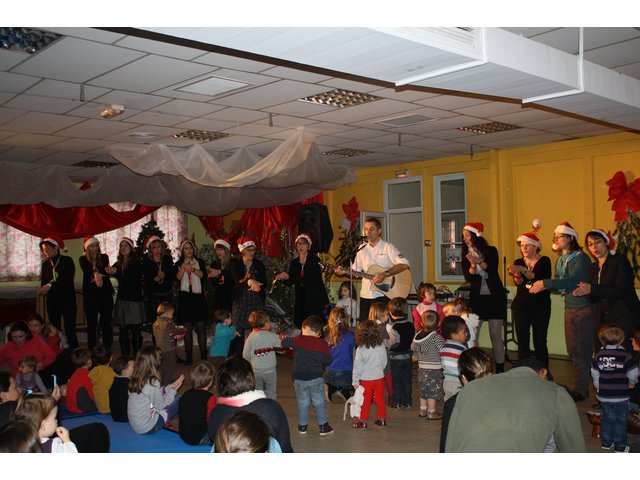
(595, 293)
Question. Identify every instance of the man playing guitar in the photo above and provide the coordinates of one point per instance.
(380, 253)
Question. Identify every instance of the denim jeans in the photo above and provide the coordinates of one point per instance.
(401, 376)
(613, 428)
(311, 392)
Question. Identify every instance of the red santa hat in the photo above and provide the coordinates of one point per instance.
(475, 227)
(305, 236)
(222, 243)
(529, 237)
(127, 240)
(56, 242)
(89, 240)
(245, 242)
(608, 239)
(150, 239)
(565, 228)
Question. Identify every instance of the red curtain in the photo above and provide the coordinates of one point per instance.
(43, 220)
(273, 229)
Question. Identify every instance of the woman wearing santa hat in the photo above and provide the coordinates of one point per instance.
(611, 285)
(220, 276)
(97, 293)
(531, 311)
(488, 297)
(192, 305)
(572, 267)
(159, 274)
(129, 309)
(249, 277)
(306, 276)
(57, 285)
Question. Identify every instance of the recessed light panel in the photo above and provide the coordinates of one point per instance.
(92, 164)
(340, 98)
(201, 135)
(492, 127)
(346, 152)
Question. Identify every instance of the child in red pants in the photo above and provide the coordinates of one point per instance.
(368, 371)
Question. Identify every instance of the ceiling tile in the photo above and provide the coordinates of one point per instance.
(24, 155)
(131, 100)
(235, 63)
(268, 95)
(96, 128)
(241, 115)
(89, 60)
(159, 48)
(159, 72)
(14, 83)
(10, 58)
(155, 118)
(87, 33)
(37, 122)
(188, 108)
(293, 74)
(65, 158)
(366, 111)
(32, 140)
(450, 102)
(81, 145)
(8, 114)
(66, 90)
(42, 104)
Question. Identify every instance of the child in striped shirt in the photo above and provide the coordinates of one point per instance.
(454, 330)
(264, 365)
(426, 348)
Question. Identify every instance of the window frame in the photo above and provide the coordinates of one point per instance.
(438, 212)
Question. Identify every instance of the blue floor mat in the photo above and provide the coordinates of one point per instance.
(125, 440)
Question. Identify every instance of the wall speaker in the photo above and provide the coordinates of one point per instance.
(314, 219)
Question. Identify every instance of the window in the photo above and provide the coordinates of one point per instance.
(169, 219)
(450, 216)
(20, 257)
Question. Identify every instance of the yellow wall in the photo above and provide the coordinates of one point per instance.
(507, 189)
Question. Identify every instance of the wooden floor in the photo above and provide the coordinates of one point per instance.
(405, 431)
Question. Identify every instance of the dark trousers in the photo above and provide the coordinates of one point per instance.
(201, 332)
(538, 322)
(98, 310)
(365, 305)
(130, 338)
(401, 373)
(59, 308)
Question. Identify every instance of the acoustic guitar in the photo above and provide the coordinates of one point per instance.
(398, 285)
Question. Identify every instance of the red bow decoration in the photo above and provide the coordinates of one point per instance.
(351, 211)
(625, 196)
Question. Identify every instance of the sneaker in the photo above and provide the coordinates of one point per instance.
(607, 447)
(626, 450)
(325, 429)
(394, 405)
(381, 422)
(360, 424)
(302, 429)
(422, 413)
(434, 416)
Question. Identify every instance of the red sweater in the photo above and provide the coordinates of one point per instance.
(11, 353)
(79, 380)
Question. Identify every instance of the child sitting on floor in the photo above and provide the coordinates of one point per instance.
(195, 405)
(151, 405)
(41, 411)
(80, 397)
(28, 379)
(264, 365)
(119, 391)
(102, 376)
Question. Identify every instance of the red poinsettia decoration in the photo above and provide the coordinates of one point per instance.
(626, 197)
(352, 212)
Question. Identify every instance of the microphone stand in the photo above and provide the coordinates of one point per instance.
(364, 244)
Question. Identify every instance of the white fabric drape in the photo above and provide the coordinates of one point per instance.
(191, 179)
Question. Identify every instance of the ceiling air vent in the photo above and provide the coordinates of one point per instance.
(340, 98)
(493, 127)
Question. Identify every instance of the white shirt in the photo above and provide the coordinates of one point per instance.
(384, 255)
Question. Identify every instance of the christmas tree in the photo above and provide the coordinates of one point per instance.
(148, 229)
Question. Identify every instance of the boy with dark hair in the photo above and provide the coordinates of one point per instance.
(80, 397)
(614, 374)
(196, 405)
(264, 365)
(119, 391)
(165, 334)
(310, 355)
(224, 334)
(400, 353)
(9, 395)
(102, 376)
(454, 331)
